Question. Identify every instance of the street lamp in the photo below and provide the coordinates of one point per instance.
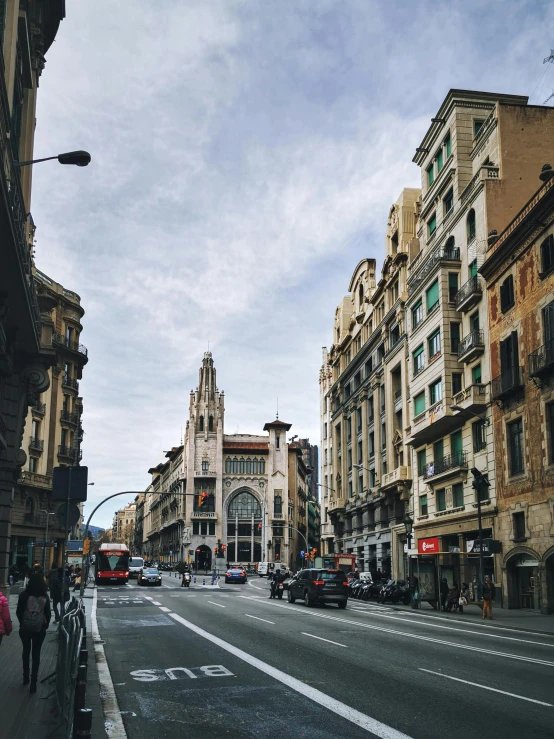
(479, 484)
(79, 158)
(319, 485)
(471, 413)
(43, 510)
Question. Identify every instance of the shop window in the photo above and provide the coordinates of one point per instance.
(518, 520)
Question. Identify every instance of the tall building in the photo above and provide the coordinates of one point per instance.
(366, 472)
(479, 161)
(519, 275)
(27, 30)
(242, 491)
(123, 526)
(53, 429)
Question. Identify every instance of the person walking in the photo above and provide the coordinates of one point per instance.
(464, 597)
(34, 614)
(444, 593)
(5, 618)
(453, 597)
(59, 590)
(488, 596)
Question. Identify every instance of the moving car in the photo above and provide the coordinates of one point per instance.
(235, 574)
(319, 586)
(135, 566)
(149, 576)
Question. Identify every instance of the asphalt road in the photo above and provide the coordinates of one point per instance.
(231, 662)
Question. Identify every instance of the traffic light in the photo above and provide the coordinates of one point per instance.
(259, 527)
(224, 547)
(276, 555)
(302, 553)
(215, 551)
(202, 499)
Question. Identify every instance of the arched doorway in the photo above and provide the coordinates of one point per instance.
(523, 579)
(244, 528)
(203, 559)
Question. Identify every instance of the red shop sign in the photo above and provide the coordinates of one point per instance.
(428, 546)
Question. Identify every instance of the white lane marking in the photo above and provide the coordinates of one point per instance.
(215, 604)
(260, 619)
(322, 639)
(419, 637)
(166, 610)
(148, 597)
(156, 603)
(110, 706)
(321, 699)
(487, 687)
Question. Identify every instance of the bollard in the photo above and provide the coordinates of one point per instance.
(83, 723)
(83, 656)
(194, 579)
(203, 581)
(80, 689)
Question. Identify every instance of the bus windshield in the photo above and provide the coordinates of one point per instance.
(116, 562)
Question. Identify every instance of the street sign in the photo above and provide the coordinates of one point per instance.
(78, 487)
(428, 546)
(74, 514)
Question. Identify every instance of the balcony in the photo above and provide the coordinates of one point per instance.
(541, 361)
(398, 401)
(338, 504)
(36, 480)
(206, 473)
(398, 476)
(472, 398)
(69, 453)
(69, 382)
(69, 418)
(511, 380)
(434, 422)
(36, 445)
(73, 346)
(469, 294)
(39, 409)
(448, 466)
(438, 256)
(471, 346)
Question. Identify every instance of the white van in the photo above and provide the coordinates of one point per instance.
(135, 566)
(268, 568)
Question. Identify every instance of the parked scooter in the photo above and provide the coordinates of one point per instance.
(185, 582)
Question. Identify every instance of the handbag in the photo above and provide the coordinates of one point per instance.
(462, 601)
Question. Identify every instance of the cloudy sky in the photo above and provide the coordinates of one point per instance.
(244, 156)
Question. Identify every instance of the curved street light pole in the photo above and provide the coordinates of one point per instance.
(79, 158)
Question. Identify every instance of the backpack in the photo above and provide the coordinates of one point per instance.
(33, 617)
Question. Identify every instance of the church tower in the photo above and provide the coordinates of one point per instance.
(202, 461)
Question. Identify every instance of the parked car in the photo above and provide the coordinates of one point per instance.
(149, 576)
(235, 574)
(319, 586)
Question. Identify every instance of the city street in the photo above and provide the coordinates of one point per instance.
(228, 661)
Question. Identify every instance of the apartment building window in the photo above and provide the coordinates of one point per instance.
(476, 374)
(423, 505)
(452, 286)
(359, 419)
(471, 227)
(547, 255)
(509, 354)
(435, 392)
(201, 423)
(432, 296)
(359, 452)
(211, 423)
(419, 360)
(432, 225)
(419, 403)
(440, 160)
(369, 367)
(456, 383)
(454, 337)
(456, 447)
(324, 430)
(350, 488)
(417, 314)
(205, 465)
(548, 328)
(277, 505)
(478, 430)
(349, 458)
(360, 483)
(507, 297)
(477, 126)
(518, 520)
(434, 344)
(458, 495)
(438, 450)
(382, 397)
(441, 499)
(394, 292)
(448, 202)
(372, 477)
(326, 457)
(32, 464)
(430, 174)
(357, 380)
(370, 409)
(447, 146)
(421, 461)
(347, 391)
(394, 335)
(349, 428)
(371, 445)
(515, 446)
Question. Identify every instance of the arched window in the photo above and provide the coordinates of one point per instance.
(201, 423)
(248, 466)
(450, 248)
(228, 465)
(262, 466)
(211, 423)
(244, 505)
(470, 225)
(29, 508)
(235, 466)
(241, 466)
(255, 467)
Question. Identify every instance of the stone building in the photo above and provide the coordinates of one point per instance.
(123, 526)
(519, 274)
(479, 161)
(53, 429)
(242, 491)
(26, 33)
(366, 473)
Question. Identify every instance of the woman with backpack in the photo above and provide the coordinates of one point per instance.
(5, 618)
(33, 613)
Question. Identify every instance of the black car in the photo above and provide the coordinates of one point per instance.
(149, 576)
(319, 586)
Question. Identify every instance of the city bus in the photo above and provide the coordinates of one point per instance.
(112, 564)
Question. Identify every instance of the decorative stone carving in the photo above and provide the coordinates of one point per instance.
(37, 381)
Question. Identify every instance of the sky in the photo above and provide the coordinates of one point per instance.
(245, 154)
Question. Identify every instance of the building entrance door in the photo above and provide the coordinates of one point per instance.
(203, 558)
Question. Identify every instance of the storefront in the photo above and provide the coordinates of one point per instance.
(524, 589)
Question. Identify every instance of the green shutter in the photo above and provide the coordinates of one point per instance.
(438, 451)
(458, 495)
(430, 175)
(418, 352)
(419, 404)
(421, 460)
(448, 146)
(433, 295)
(456, 442)
(432, 224)
(453, 282)
(476, 374)
(439, 160)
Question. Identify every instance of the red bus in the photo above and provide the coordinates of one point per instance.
(112, 563)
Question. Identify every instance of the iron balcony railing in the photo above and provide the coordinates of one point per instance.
(437, 256)
(471, 341)
(35, 443)
(69, 382)
(450, 462)
(39, 408)
(511, 379)
(73, 345)
(542, 359)
(473, 287)
(70, 452)
(69, 417)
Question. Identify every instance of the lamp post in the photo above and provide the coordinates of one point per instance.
(43, 510)
(487, 421)
(479, 484)
(79, 158)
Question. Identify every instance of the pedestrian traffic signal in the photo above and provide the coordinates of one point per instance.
(224, 547)
(276, 555)
(302, 552)
(215, 551)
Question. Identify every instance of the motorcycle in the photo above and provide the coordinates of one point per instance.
(277, 590)
(185, 583)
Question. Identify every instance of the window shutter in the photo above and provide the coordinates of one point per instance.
(432, 295)
(548, 322)
(504, 357)
(515, 358)
(503, 297)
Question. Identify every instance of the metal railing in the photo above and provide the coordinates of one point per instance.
(450, 462)
(39, 408)
(73, 345)
(471, 341)
(71, 665)
(69, 382)
(35, 443)
(474, 286)
(70, 452)
(437, 256)
(541, 359)
(69, 417)
(511, 379)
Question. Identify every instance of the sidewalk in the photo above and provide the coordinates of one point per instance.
(35, 716)
(506, 618)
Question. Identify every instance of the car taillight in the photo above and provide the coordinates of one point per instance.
(319, 582)
(345, 583)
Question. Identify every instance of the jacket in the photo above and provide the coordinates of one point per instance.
(22, 604)
(488, 591)
(5, 618)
